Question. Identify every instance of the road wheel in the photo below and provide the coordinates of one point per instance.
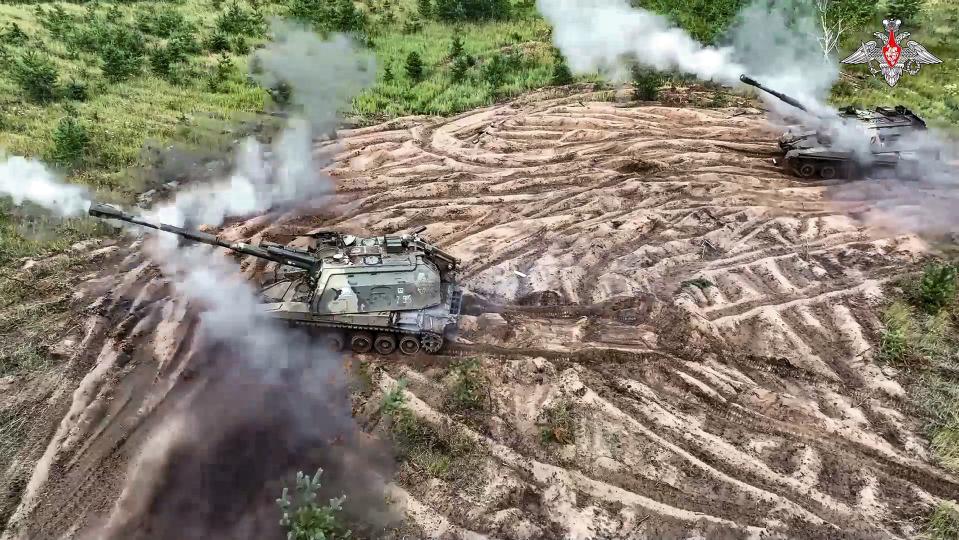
(409, 345)
(807, 170)
(431, 342)
(332, 341)
(385, 343)
(828, 172)
(361, 342)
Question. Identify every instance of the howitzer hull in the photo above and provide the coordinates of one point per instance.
(381, 293)
(383, 332)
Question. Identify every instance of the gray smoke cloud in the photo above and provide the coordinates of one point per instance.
(30, 180)
(273, 399)
(281, 386)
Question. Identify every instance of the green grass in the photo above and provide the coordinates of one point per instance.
(944, 523)
(919, 338)
(442, 451)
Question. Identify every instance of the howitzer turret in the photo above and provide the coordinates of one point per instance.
(814, 153)
(379, 293)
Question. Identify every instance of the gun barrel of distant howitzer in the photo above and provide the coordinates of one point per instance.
(752, 82)
(271, 252)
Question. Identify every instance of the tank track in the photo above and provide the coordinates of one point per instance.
(364, 339)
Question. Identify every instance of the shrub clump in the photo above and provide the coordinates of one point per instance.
(646, 84)
(70, 142)
(36, 75)
(469, 391)
(304, 518)
(558, 424)
(414, 67)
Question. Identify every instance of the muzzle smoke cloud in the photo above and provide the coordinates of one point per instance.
(285, 387)
(273, 401)
(324, 75)
(29, 180)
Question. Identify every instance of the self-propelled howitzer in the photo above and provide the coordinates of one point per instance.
(892, 145)
(379, 293)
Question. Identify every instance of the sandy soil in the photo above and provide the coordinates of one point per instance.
(709, 319)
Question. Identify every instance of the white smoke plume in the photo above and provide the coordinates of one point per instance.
(324, 76)
(769, 40)
(604, 35)
(29, 180)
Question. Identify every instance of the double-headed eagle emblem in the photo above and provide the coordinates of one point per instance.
(886, 56)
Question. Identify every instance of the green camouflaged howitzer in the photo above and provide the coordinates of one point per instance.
(379, 293)
(811, 154)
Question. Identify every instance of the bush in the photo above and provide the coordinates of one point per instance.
(456, 46)
(240, 45)
(905, 10)
(472, 10)
(161, 23)
(37, 76)
(469, 390)
(316, 12)
(937, 289)
(13, 35)
(558, 424)
(414, 67)
(76, 90)
(119, 64)
(494, 71)
(388, 75)
(122, 54)
(236, 20)
(459, 69)
(183, 44)
(70, 141)
(221, 74)
(561, 73)
(58, 22)
(646, 84)
(303, 518)
(217, 42)
(346, 18)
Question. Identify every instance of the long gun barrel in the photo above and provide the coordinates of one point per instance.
(752, 82)
(269, 251)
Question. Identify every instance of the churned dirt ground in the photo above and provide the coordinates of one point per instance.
(708, 322)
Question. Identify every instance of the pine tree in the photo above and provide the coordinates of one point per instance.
(460, 66)
(561, 73)
(414, 67)
(646, 83)
(426, 8)
(456, 47)
(904, 10)
(346, 18)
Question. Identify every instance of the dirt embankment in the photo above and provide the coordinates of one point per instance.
(708, 320)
